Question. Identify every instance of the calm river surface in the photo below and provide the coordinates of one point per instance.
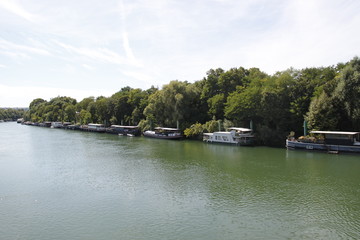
(62, 184)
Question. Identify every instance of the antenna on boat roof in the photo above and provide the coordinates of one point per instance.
(305, 128)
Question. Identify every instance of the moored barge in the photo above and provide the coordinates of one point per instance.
(164, 133)
(330, 141)
(130, 131)
(234, 135)
(94, 127)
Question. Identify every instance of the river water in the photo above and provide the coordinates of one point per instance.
(62, 184)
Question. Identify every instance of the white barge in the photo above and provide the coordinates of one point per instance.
(234, 135)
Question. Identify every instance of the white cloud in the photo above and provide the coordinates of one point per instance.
(144, 43)
(98, 54)
(14, 55)
(18, 48)
(308, 34)
(15, 8)
(87, 67)
(125, 38)
(128, 51)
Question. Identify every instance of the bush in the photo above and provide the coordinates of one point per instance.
(194, 131)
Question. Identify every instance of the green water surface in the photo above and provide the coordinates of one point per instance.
(62, 184)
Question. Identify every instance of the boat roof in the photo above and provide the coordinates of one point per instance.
(95, 124)
(120, 126)
(239, 129)
(167, 129)
(335, 132)
(226, 133)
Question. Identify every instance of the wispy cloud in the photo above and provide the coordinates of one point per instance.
(125, 37)
(144, 43)
(15, 8)
(14, 55)
(87, 67)
(307, 34)
(98, 54)
(128, 50)
(14, 49)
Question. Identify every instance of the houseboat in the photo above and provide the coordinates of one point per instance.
(94, 127)
(73, 127)
(130, 131)
(330, 141)
(45, 124)
(66, 124)
(233, 135)
(56, 125)
(164, 133)
(20, 120)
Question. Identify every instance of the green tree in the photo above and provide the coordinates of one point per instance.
(70, 113)
(322, 115)
(121, 108)
(103, 112)
(216, 105)
(83, 104)
(347, 92)
(194, 131)
(85, 116)
(175, 102)
(211, 126)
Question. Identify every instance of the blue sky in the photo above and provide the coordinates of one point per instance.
(82, 48)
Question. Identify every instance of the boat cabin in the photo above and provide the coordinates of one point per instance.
(96, 127)
(20, 120)
(65, 124)
(164, 133)
(45, 124)
(124, 130)
(339, 138)
(233, 135)
(167, 131)
(56, 125)
(241, 131)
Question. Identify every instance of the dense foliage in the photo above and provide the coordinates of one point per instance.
(327, 98)
(11, 114)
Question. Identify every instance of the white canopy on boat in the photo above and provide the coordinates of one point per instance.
(120, 126)
(240, 129)
(96, 124)
(167, 129)
(335, 132)
(208, 134)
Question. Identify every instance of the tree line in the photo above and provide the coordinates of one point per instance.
(11, 114)
(326, 97)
